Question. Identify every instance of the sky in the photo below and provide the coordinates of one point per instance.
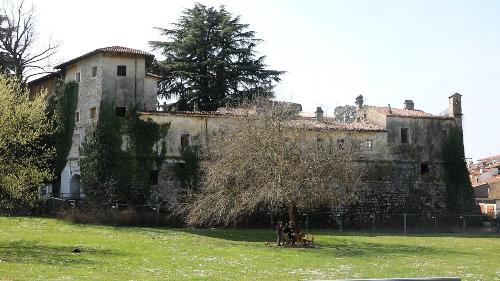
(332, 51)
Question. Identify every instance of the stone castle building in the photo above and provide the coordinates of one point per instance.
(115, 73)
(401, 148)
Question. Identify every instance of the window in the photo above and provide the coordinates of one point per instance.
(184, 140)
(93, 112)
(77, 116)
(153, 179)
(369, 144)
(424, 168)
(405, 135)
(121, 70)
(77, 77)
(120, 111)
(94, 72)
(340, 143)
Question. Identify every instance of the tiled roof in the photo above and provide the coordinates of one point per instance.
(330, 125)
(406, 113)
(488, 180)
(123, 50)
(44, 77)
(301, 122)
(112, 49)
(489, 158)
(219, 112)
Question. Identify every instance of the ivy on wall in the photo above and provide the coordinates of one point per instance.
(61, 110)
(460, 195)
(117, 156)
(188, 173)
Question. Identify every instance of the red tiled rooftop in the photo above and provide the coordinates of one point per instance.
(112, 49)
(308, 123)
(488, 180)
(489, 158)
(330, 125)
(407, 113)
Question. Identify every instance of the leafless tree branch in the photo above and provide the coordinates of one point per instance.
(17, 39)
(267, 159)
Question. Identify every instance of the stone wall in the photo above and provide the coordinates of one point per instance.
(426, 137)
(400, 187)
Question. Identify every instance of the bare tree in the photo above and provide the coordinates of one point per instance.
(268, 157)
(18, 42)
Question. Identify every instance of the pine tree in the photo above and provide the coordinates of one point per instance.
(210, 59)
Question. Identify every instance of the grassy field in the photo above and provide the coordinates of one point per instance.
(40, 249)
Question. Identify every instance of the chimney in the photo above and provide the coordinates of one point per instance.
(455, 105)
(359, 101)
(195, 106)
(390, 108)
(409, 105)
(319, 114)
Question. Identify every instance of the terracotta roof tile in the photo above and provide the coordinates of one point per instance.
(300, 122)
(123, 50)
(330, 125)
(486, 181)
(406, 113)
(112, 49)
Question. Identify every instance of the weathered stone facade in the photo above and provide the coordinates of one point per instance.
(401, 148)
(116, 74)
(401, 173)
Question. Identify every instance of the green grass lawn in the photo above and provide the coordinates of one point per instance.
(40, 249)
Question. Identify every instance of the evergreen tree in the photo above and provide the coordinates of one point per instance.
(210, 59)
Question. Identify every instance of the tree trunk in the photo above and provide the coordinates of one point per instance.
(293, 217)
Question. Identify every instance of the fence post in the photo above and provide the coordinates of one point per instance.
(73, 203)
(157, 215)
(463, 223)
(340, 221)
(307, 221)
(498, 223)
(435, 222)
(373, 222)
(404, 220)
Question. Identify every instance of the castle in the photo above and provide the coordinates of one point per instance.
(401, 149)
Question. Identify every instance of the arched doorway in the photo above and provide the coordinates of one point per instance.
(74, 186)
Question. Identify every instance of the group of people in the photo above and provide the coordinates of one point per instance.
(285, 229)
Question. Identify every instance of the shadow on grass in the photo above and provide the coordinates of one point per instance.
(416, 234)
(336, 245)
(32, 252)
(349, 248)
(244, 235)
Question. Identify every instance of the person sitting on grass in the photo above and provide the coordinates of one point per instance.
(279, 233)
(290, 233)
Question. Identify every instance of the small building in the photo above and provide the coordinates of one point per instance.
(488, 196)
(484, 169)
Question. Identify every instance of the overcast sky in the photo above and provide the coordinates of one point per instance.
(332, 51)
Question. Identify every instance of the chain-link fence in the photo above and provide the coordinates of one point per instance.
(158, 215)
(376, 222)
